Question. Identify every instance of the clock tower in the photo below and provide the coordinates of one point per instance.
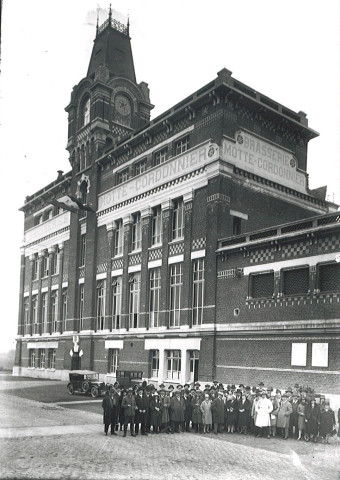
(108, 104)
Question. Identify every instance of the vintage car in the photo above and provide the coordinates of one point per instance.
(87, 382)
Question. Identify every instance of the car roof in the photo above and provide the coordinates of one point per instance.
(82, 372)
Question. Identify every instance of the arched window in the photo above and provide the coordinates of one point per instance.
(85, 113)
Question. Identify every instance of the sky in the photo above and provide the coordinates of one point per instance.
(287, 50)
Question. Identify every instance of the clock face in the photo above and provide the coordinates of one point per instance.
(122, 105)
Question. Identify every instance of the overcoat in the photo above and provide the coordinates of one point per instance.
(177, 409)
(196, 413)
(294, 416)
(187, 411)
(312, 419)
(273, 416)
(156, 414)
(142, 403)
(301, 416)
(217, 408)
(263, 409)
(244, 408)
(206, 412)
(231, 411)
(129, 406)
(107, 405)
(327, 422)
(283, 414)
(165, 407)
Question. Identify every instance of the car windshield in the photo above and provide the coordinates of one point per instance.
(92, 376)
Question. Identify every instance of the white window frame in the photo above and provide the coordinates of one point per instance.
(198, 283)
(154, 297)
(136, 238)
(134, 300)
(154, 363)
(101, 301)
(64, 307)
(52, 353)
(160, 156)
(157, 226)
(81, 306)
(173, 364)
(86, 112)
(116, 302)
(182, 145)
(35, 322)
(113, 360)
(175, 299)
(44, 312)
(54, 310)
(82, 250)
(178, 219)
(32, 359)
(119, 239)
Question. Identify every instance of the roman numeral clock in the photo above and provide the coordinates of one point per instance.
(122, 110)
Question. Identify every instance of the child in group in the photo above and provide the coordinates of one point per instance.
(206, 413)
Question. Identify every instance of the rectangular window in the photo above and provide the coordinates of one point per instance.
(262, 285)
(116, 302)
(119, 239)
(182, 145)
(64, 308)
(299, 354)
(42, 358)
(176, 282)
(236, 225)
(82, 250)
(157, 226)
(155, 291)
(329, 277)
(35, 268)
(36, 325)
(101, 295)
(44, 312)
(154, 363)
(46, 264)
(140, 167)
(178, 220)
(319, 354)
(81, 306)
(52, 353)
(122, 176)
(54, 264)
(160, 156)
(197, 291)
(38, 219)
(48, 214)
(295, 281)
(54, 311)
(113, 360)
(31, 360)
(173, 364)
(134, 282)
(136, 241)
(26, 316)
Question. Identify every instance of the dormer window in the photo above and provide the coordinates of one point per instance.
(86, 112)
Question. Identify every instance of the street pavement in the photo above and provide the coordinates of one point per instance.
(52, 441)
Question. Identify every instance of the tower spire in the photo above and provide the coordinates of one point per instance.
(110, 15)
(97, 28)
(128, 26)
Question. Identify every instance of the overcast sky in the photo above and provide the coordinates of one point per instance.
(288, 50)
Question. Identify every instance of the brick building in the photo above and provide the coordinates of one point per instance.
(139, 282)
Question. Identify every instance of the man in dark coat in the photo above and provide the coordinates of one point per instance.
(293, 423)
(187, 412)
(129, 406)
(177, 407)
(217, 408)
(108, 413)
(142, 403)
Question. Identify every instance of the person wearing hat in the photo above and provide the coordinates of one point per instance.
(108, 413)
(217, 409)
(302, 417)
(263, 408)
(177, 408)
(197, 386)
(230, 413)
(122, 393)
(196, 414)
(206, 413)
(156, 413)
(283, 415)
(244, 408)
(294, 418)
(327, 422)
(312, 413)
(187, 412)
(165, 407)
(276, 401)
(129, 406)
(148, 393)
(142, 403)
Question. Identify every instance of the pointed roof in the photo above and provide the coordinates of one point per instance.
(112, 48)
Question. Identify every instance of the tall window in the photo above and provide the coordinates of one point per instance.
(81, 306)
(178, 219)
(134, 282)
(54, 311)
(173, 364)
(157, 226)
(113, 360)
(140, 167)
(35, 314)
(136, 232)
(48, 214)
(119, 239)
(42, 363)
(52, 353)
(101, 291)
(35, 268)
(122, 176)
(160, 156)
(155, 290)
(176, 281)
(197, 291)
(44, 312)
(116, 302)
(31, 360)
(154, 363)
(82, 250)
(54, 264)
(38, 219)
(182, 145)
(26, 316)
(86, 112)
(46, 263)
(236, 225)
(64, 308)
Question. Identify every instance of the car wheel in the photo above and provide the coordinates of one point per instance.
(85, 386)
(94, 392)
(70, 389)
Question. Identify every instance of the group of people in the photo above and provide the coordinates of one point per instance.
(247, 410)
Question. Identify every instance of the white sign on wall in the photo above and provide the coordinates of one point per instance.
(254, 155)
(170, 170)
(299, 354)
(320, 355)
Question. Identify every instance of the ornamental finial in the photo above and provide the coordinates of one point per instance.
(97, 28)
(110, 14)
(128, 26)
